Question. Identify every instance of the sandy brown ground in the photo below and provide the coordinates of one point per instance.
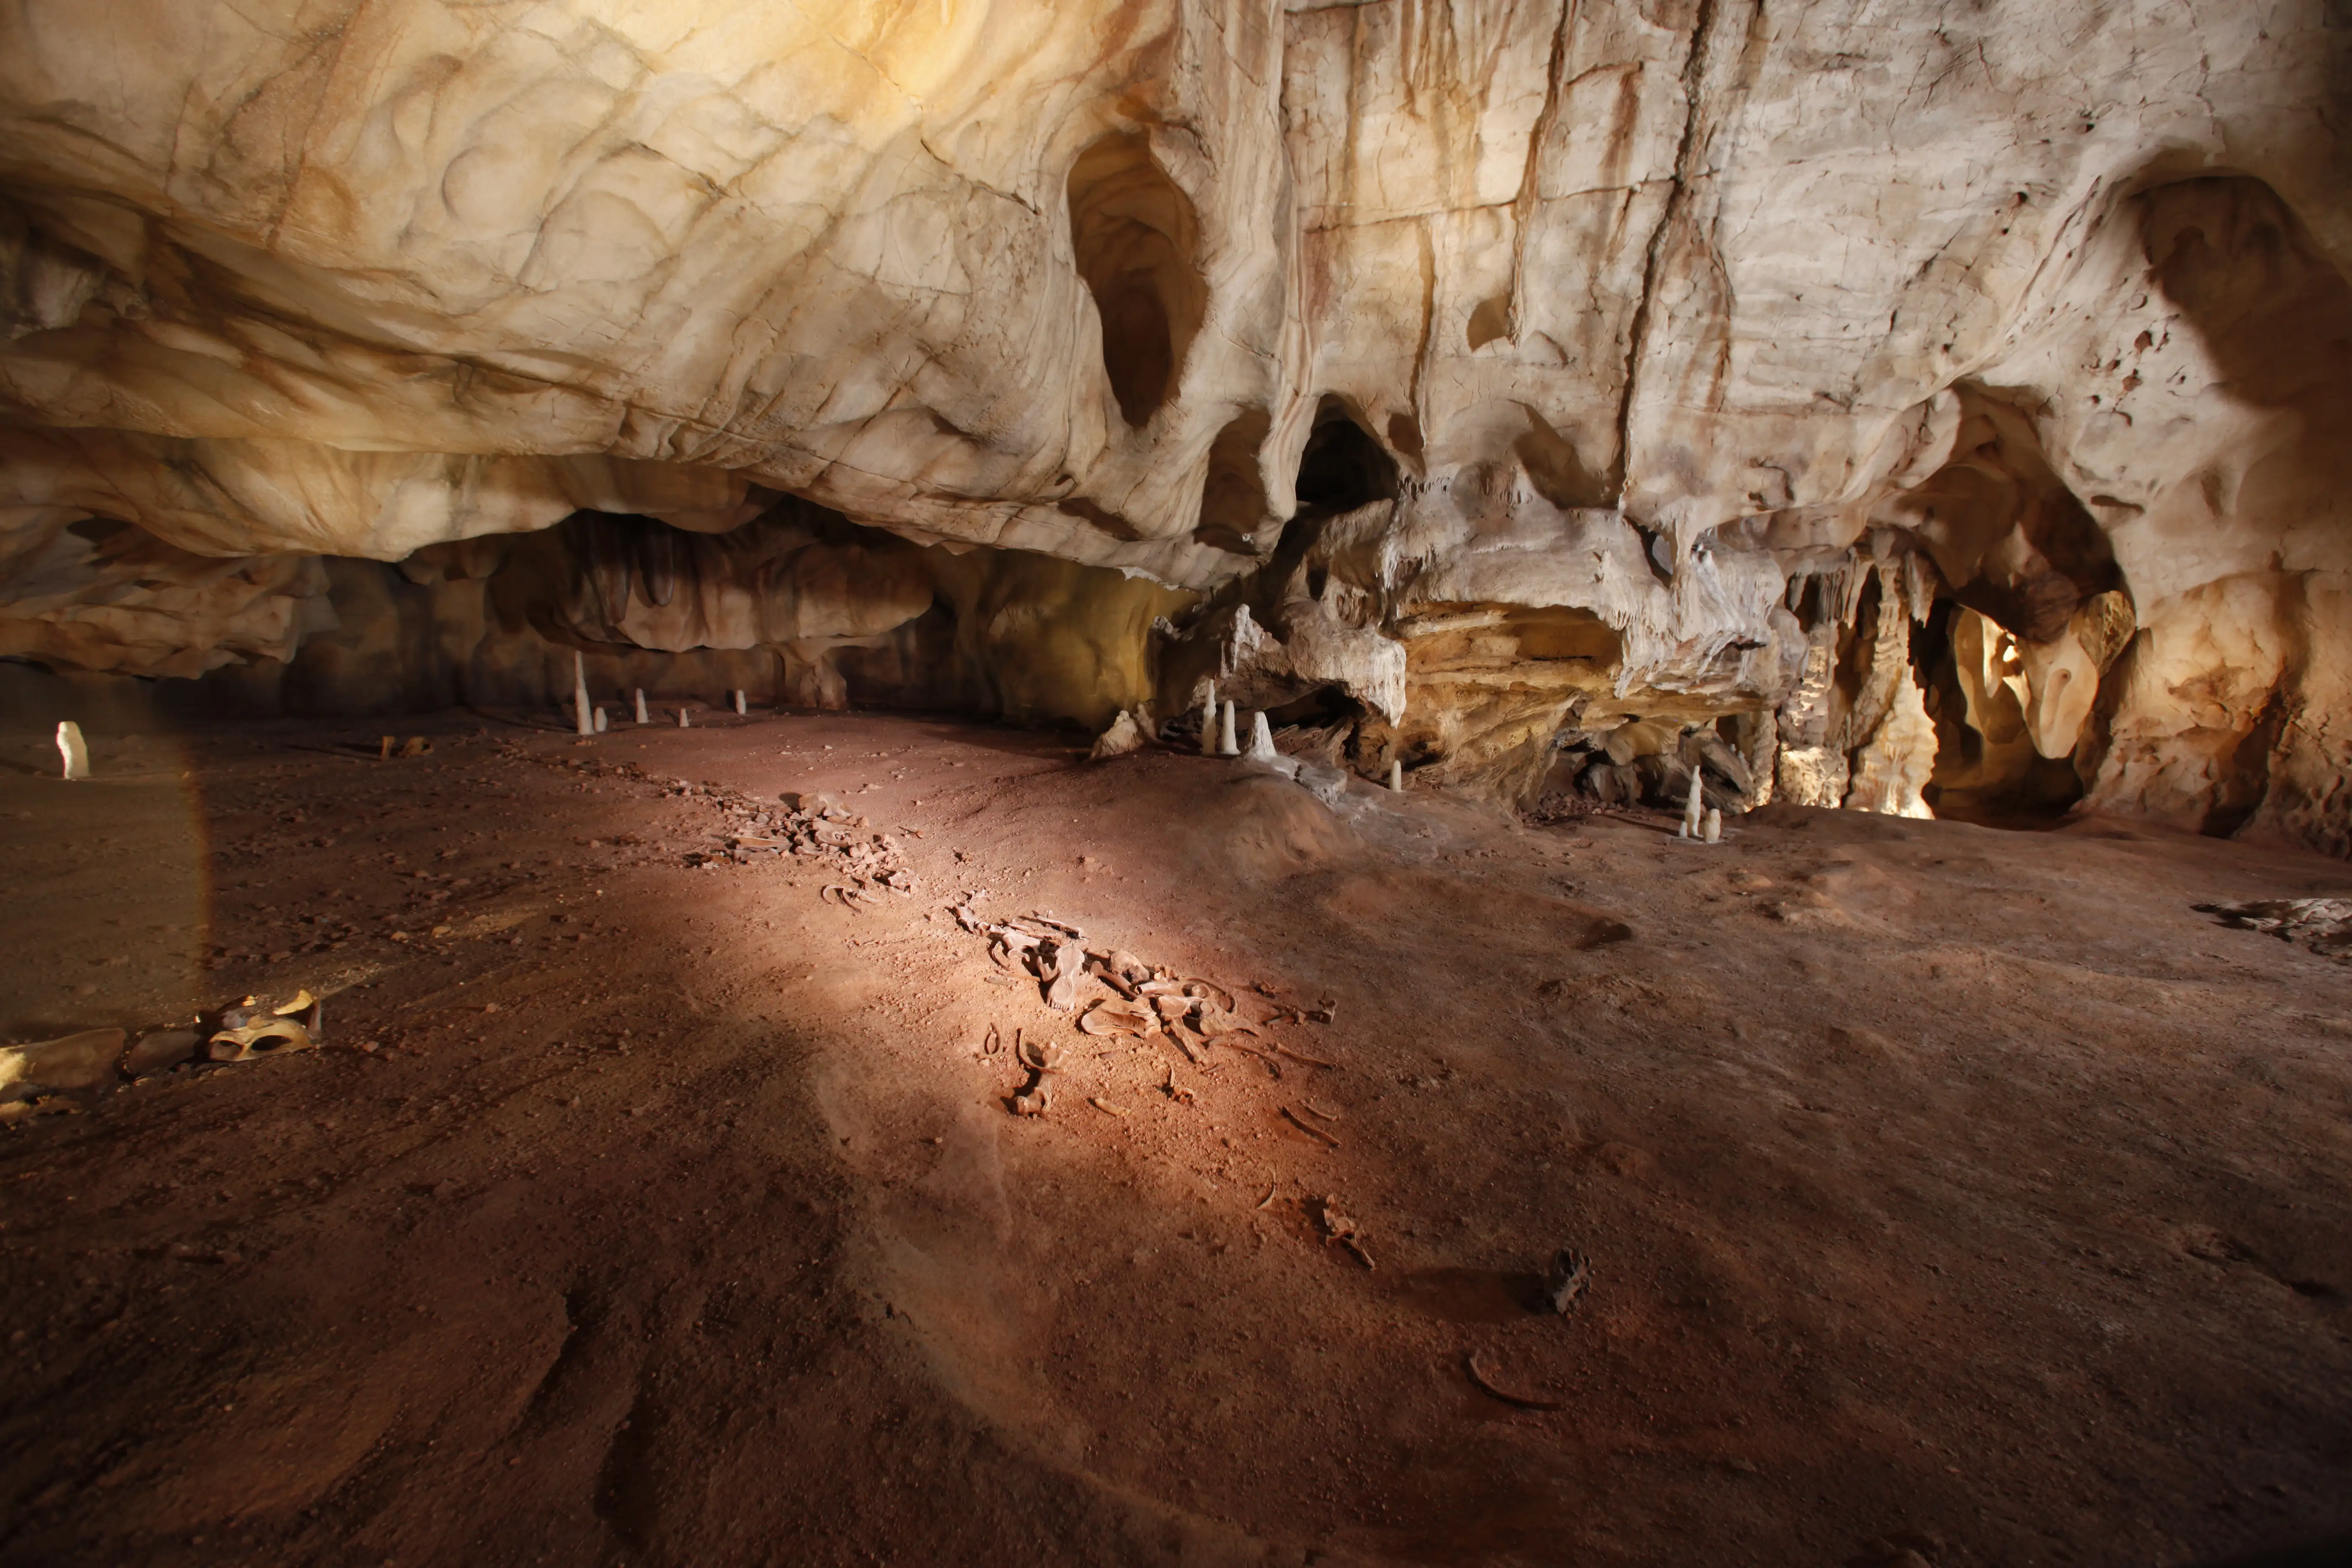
(1951, 1195)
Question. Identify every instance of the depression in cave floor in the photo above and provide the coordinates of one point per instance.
(1947, 1194)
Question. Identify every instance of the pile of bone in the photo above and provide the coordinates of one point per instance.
(1142, 1001)
(2323, 925)
(810, 827)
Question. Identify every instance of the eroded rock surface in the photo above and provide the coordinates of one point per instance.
(1952, 404)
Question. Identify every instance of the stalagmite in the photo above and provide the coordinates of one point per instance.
(740, 708)
(73, 751)
(1713, 824)
(1226, 745)
(642, 717)
(1692, 806)
(1261, 743)
(682, 722)
(1396, 777)
(583, 717)
(1209, 722)
(600, 719)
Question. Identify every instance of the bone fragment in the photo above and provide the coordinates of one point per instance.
(1209, 722)
(1713, 824)
(583, 716)
(71, 1061)
(642, 717)
(72, 751)
(1226, 745)
(1396, 777)
(158, 1050)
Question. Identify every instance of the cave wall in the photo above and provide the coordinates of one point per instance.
(1500, 377)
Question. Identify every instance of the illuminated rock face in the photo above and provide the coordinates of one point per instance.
(1519, 370)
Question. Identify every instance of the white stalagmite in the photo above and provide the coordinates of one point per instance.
(682, 719)
(1693, 806)
(600, 719)
(1209, 722)
(1261, 743)
(584, 718)
(740, 708)
(1226, 745)
(73, 751)
(1713, 824)
(642, 717)
(1396, 777)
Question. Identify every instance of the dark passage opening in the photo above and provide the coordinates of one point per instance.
(1343, 467)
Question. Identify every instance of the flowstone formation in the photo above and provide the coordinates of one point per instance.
(1867, 404)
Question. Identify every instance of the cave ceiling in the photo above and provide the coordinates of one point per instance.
(1858, 371)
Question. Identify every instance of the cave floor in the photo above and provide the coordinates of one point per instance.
(1950, 1195)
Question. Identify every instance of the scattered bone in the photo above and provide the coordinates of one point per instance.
(1115, 1019)
(1178, 1092)
(1035, 1097)
(2323, 925)
(1226, 745)
(416, 746)
(1104, 1106)
(1338, 1230)
(1264, 1201)
(1487, 1385)
(1565, 1279)
(84, 1061)
(1314, 1109)
(247, 1033)
(1309, 1128)
(1304, 1057)
(301, 999)
(73, 753)
(848, 897)
(158, 1050)
(1068, 963)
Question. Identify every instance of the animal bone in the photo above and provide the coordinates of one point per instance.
(84, 1061)
(247, 1033)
